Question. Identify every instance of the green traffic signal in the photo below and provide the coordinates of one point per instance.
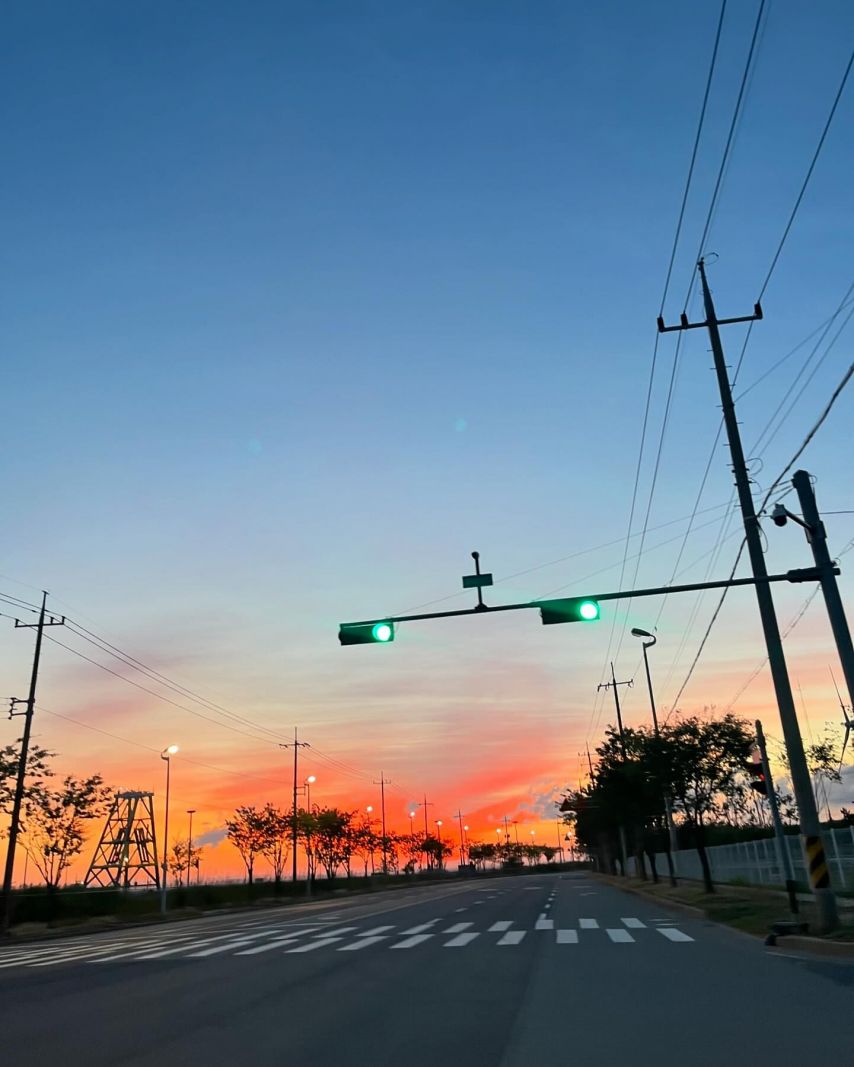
(570, 609)
(366, 633)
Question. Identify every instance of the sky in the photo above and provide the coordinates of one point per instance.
(302, 304)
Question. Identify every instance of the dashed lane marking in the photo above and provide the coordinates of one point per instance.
(588, 924)
(458, 928)
(544, 924)
(500, 927)
(566, 937)
(620, 936)
(633, 924)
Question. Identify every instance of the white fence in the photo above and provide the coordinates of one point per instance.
(757, 862)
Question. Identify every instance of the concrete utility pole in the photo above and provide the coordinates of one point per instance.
(459, 817)
(296, 746)
(810, 826)
(783, 853)
(382, 783)
(613, 684)
(30, 705)
(817, 538)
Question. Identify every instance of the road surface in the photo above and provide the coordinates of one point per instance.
(507, 972)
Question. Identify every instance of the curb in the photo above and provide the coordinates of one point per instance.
(816, 946)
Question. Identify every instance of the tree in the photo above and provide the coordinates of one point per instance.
(54, 830)
(480, 854)
(248, 832)
(182, 860)
(436, 851)
(277, 828)
(38, 770)
(332, 839)
(704, 759)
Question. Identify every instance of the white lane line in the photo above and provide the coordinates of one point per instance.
(479, 902)
(411, 942)
(587, 894)
(512, 937)
(362, 942)
(458, 928)
(588, 924)
(633, 924)
(227, 947)
(544, 924)
(267, 946)
(547, 905)
(460, 940)
(376, 930)
(310, 946)
(420, 929)
(620, 935)
(498, 928)
(457, 910)
(566, 937)
(672, 934)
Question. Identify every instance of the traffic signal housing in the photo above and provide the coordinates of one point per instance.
(380, 632)
(570, 609)
(757, 775)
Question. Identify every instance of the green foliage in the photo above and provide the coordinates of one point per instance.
(54, 830)
(38, 771)
(248, 831)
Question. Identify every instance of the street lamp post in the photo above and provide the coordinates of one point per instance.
(309, 857)
(191, 812)
(167, 755)
(411, 824)
(439, 839)
(673, 844)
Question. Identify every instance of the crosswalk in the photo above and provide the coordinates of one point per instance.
(298, 939)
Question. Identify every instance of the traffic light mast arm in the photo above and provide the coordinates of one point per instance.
(804, 574)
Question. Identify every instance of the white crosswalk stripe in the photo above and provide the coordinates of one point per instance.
(267, 946)
(544, 924)
(461, 940)
(362, 942)
(512, 937)
(566, 937)
(672, 934)
(311, 946)
(411, 942)
(420, 929)
(499, 927)
(588, 924)
(620, 936)
(633, 924)
(458, 928)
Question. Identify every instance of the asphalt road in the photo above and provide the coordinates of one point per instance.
(509, 972)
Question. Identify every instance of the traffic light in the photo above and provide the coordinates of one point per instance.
(366, 633)
(756, 774)
(572, 609)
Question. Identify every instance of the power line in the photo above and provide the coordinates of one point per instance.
(665, 290)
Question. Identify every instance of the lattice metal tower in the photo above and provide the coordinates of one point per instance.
(127, 851)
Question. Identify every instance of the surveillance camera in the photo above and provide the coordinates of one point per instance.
(780, 515)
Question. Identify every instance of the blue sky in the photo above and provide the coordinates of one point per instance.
(303, 303)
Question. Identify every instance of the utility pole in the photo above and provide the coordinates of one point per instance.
(30, 705)
(779, 836)
(382, 783)
(459, 817)
(614, 684)
(296, 746)
(810, 827)
(817, 537)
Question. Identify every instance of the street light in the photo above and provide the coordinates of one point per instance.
(191, 812)
(411, 824)
(649, 641)
(167, 755)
